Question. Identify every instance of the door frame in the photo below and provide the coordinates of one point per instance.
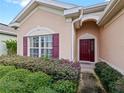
(88, 36)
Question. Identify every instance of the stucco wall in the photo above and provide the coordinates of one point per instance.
(90, 28)
(3, 50)
(112, 42)
(50, 20)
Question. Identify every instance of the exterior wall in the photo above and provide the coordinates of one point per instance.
(3, 50)
(112, 42)
(48, 19)
(90, 28)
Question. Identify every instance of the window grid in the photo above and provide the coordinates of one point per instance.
(44, 46)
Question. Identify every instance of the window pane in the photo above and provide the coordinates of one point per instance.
(42, 41)
(45, 46)
(31, 41)
(49, 52)
(34, 52)
(35, 41)
(49, 44)
(49, 38)
(42, 52)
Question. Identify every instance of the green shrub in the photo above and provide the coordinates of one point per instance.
(36, 80)
(23, 81)
(14, 82)
(107, 75)
(65, 86)
(119, 86)
(45, 90)
(11, 46)
(5, 69)
(58, 69)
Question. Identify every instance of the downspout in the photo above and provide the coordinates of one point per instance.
(73, 34)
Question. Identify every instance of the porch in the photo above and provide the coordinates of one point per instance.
(86, 41)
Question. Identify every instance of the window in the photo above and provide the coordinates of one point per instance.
(41, 46)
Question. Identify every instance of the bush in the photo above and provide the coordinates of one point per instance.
(118, 86)
(65, 86)
(5, 69)
(11, 46)
(14, 82)
(45, 90)
(36, 80)
(108, 76)
(23, 81)
(58, 69)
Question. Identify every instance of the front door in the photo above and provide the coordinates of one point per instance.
(87, 50)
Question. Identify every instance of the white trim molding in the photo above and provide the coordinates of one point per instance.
(37, 32)
(40, 31)
(112, 65)
(88, 36)
(89, 17)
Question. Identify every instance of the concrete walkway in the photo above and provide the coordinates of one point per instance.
(88, 68)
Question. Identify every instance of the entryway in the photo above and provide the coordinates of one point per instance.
(87, 50)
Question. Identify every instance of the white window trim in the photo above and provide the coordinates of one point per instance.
(38, 31)
(39, 48)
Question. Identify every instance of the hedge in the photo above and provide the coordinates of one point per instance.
(65, 86)
(58, 69)
(45, 90)
(109, 77)
(24, 81)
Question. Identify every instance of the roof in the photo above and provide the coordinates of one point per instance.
(58, 5)
(34, 3)
(114, 7)
(5, 29)
(86, 10)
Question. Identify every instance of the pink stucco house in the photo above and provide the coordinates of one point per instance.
(85, 34)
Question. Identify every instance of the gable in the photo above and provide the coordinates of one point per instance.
(34, 3)
(44, 12)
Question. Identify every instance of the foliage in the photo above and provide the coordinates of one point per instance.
(14, 82)
(108, 76)
(11, 46)
(58, 69)
(36, 75)
(5, 69)
(45, 90)
(63, 86)
(23, 81)
(118, 86)
(36, 80)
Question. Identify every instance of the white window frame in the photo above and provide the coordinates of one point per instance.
(40, 47)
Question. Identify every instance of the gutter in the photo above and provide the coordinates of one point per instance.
(8, 33)
(73, 35)
(108, 11)
(86, 10)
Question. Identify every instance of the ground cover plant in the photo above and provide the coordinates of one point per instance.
(25, 81)
(37, 75)
(112, 80)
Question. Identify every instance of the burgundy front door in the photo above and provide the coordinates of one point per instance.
(87, 50)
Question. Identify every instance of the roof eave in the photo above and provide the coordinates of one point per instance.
(113, 8)
(87, 10)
